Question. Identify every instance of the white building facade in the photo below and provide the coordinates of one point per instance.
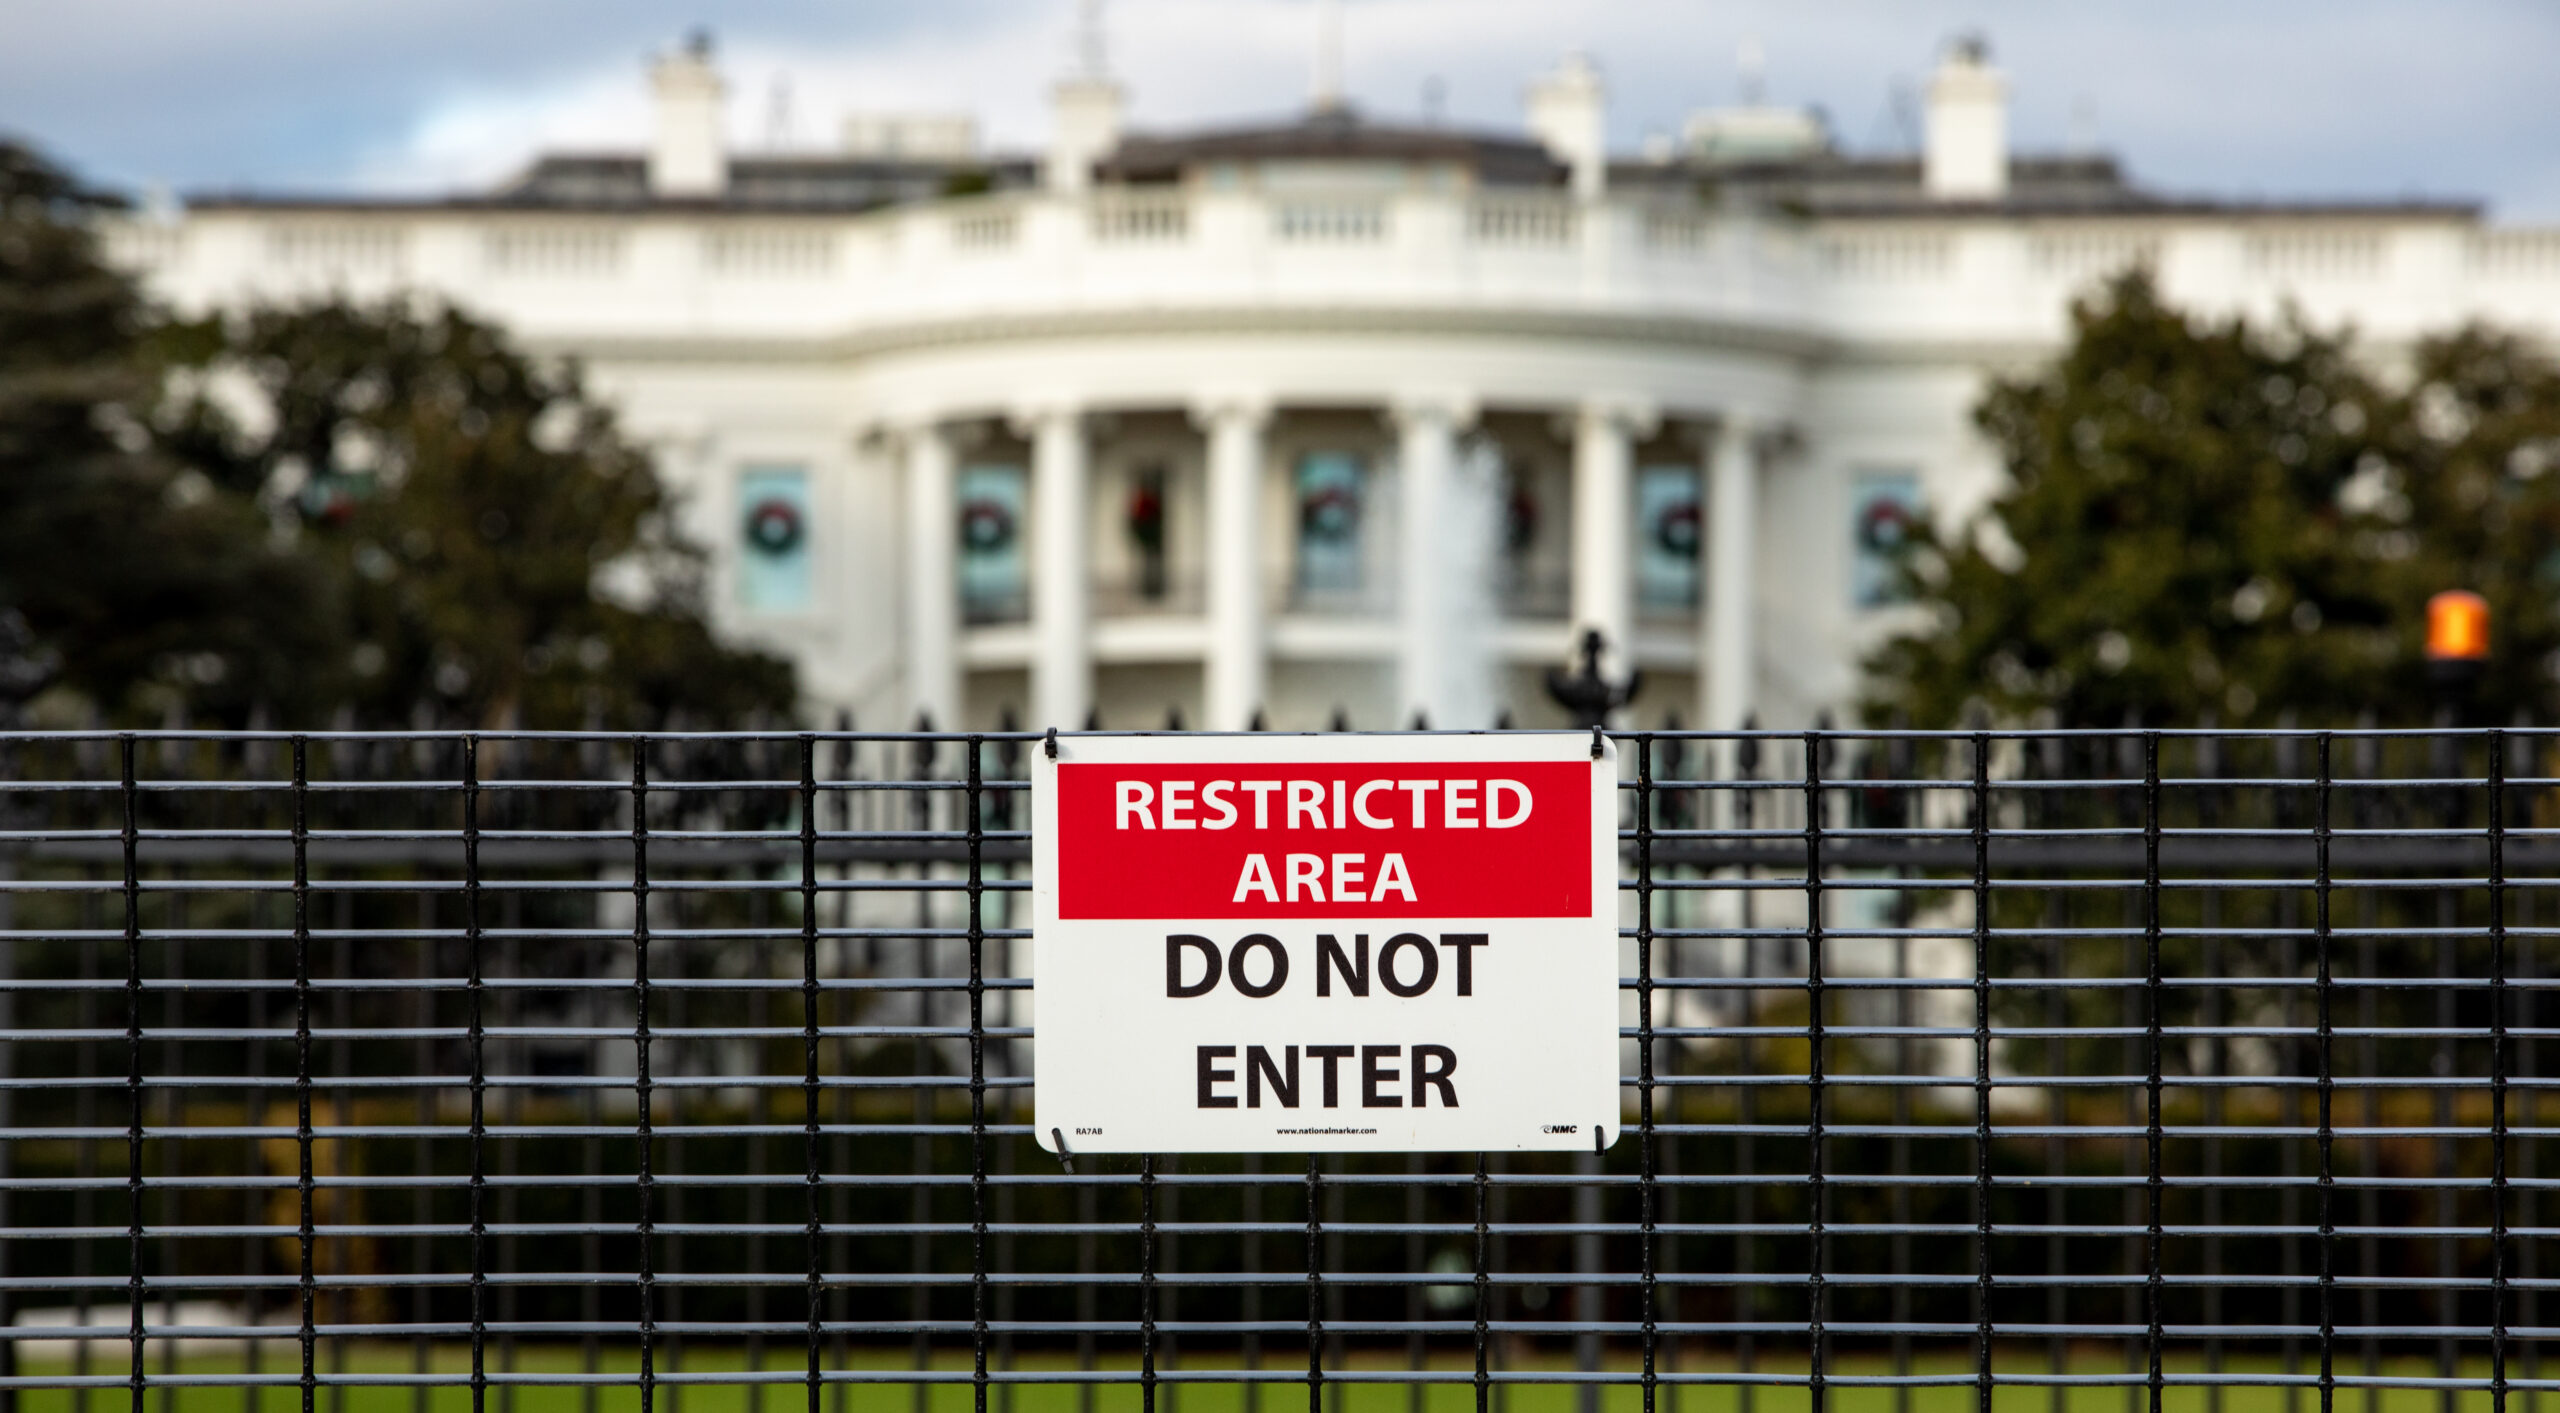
(1326, 420)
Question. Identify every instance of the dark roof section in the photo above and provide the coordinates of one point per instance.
(763, 183)
(1833, 185)
(1334, 134)
(778, 185)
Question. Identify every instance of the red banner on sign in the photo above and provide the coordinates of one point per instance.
(1368, 840)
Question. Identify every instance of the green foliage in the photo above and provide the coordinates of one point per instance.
(323, 508)
(504, 553)
(2218, 520)
(126, 576)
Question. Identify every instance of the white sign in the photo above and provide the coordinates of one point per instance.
(1325, 943)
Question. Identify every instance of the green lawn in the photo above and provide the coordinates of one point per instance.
(721, 1395)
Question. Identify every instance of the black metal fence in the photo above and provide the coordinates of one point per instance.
(2087, 1070)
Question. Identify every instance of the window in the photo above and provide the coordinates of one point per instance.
(1534, 580)
(1144, 521)
(993, 586)
(774, 572)
(1667, 537)
(1332, 489)
(1884, 507)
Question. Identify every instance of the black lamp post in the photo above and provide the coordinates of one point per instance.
(1586, 695)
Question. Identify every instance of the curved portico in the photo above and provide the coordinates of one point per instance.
(1237, 439)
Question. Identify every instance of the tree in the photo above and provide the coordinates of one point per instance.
(2214, 519)
(127, 577)
(505, 555)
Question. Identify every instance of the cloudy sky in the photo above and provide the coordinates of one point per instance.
(2445, 98)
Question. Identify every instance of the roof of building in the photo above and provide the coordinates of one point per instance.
(1336, 133)
(1826, 183)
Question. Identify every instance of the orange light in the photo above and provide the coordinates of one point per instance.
(2457, 627)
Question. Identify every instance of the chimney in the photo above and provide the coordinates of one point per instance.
(1084, 128)
(1569, 113)
(1967, 154)
(688, 158)
(1084, 110)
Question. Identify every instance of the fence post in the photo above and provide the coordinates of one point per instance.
(2497, 1071)
(2325, 988)
(1982, 1312)
(2151, 993)
(1817, 1191)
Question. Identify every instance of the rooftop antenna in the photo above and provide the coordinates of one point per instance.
(1900, 121)
(1751, 62)
(1090, 59)
(777, 113)
(2084, 126)
(1328, 97)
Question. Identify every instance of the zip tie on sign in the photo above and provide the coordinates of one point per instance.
(1066, 1159)
(1597, 737)
(1049, 743)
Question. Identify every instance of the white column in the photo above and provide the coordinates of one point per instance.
(933, 579)
(1061, 588)
(1237, 676)
(1733, 523)
(1604, 524)
(1426, 462)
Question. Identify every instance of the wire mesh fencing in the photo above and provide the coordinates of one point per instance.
(2086, 1070)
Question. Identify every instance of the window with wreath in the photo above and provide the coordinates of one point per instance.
(994, 586)
(1884, 507)
(1667, 526)
(1332, 492)
(775, 572)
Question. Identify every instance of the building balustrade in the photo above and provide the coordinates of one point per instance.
(1534, 593)
(569, 273)
(981, 608)
(1364, 598)
(770, 252)
(557, 250)
(1524, 222)
(1538, 595)
(1643, 254)
(1187, 597)
(1656, 606)
(1299, 221)
(984, 230)
(1139, 593)
(1122, 219)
